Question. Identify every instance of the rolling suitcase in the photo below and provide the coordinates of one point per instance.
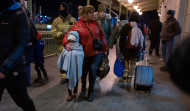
(144, 77)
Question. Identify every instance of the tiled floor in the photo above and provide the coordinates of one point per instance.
(110, 94)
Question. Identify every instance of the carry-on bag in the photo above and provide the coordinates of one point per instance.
(144, 77)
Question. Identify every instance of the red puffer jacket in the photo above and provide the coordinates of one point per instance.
(86, 38)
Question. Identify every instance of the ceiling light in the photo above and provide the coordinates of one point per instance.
(130, 1)
(135, 7)
(140, 13)
(138, 10)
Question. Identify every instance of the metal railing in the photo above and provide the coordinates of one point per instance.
(51, 47)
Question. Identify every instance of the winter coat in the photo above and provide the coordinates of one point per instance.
(14, 36)
(107, 28)
(178, 65)
(128, 53)
(29, 53)
(39, 55)
(116, 35)
(61, 25)
(170, 29)
(155, 29)
(85, 37)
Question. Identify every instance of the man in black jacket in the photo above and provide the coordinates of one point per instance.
(154, 34)
(14, 36)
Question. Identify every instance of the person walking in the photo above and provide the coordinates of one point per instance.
(71, 61)
(13, 71)
(154, 35)
(104, 20)
(60, 27)
(131, 44)
(89, 29)
(169, 30)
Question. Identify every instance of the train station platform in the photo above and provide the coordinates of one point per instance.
(110, 93)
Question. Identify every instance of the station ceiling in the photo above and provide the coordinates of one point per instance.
(144, 5)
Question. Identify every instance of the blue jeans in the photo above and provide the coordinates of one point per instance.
(90, 64)
(167, 47)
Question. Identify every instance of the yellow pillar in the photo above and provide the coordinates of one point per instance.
(29, 7)
(119, 10)
(88, 2)
(110, 7)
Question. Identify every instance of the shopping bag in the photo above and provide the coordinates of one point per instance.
(118, 67)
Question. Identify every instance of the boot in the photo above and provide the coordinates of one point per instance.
(70, 98)
(90, 96)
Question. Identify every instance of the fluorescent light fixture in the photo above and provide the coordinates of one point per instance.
(130, 1)
(135, 7)
(138, 10)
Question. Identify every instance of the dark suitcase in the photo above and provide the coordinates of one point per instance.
(144, 77)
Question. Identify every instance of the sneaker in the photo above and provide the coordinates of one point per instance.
(38, 80)
(46, 79)
(70, 98)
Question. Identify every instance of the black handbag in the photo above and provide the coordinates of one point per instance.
(97, 44)
(103, 67)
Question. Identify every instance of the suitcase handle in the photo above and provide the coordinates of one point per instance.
(141, 57)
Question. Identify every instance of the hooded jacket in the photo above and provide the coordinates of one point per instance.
(85, 37)
(170, 29)
(12, 45)
(107, 28)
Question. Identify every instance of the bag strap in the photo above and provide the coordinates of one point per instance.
(89, 30)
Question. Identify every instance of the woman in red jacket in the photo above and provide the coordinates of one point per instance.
(92, 57)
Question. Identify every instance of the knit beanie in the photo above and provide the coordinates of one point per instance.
(171, 12)
(39, 36)
(101, 7)
(73, 35)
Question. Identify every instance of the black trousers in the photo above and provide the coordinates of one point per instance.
(155, 44)
(40, 66)
(16, 85)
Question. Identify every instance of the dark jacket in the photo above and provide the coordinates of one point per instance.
(178, 65)
(14, 35)
(86, 38)
(29, 53)
(39, 55)
(127, 52)
(155, 29)
(107, 28)
(170, 29)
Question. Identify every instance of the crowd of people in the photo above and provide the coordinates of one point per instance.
(80, 42)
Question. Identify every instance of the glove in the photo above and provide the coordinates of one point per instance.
(59, 34)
